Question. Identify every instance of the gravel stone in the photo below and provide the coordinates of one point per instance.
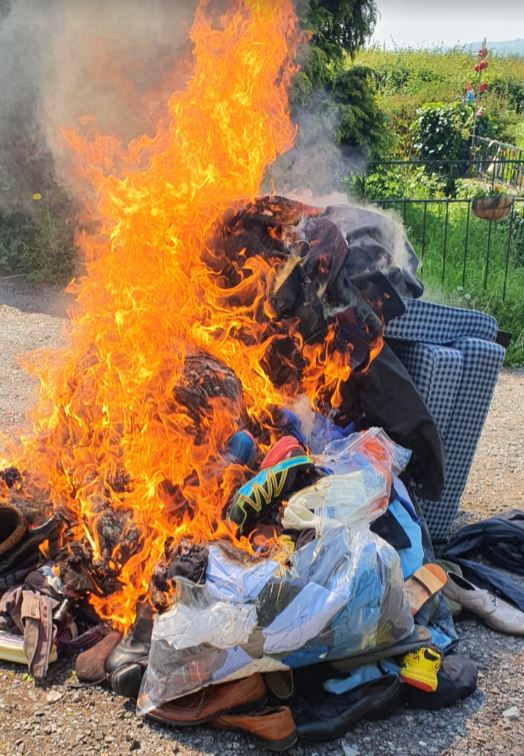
(87, 720)
(54, 696)
(512, 713)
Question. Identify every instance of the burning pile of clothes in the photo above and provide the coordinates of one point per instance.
(316, 601)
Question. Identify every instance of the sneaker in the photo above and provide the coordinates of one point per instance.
(420, 668)
(259, 495)
(241, 449)
(285, 447)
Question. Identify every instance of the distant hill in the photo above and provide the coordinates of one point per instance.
(512, 47)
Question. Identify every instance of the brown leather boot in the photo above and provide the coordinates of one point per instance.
(273, 729)
(90, 664)
(240, 695)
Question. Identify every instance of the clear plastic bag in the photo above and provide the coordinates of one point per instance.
(341, 595)
(357, 451)
(360, 471)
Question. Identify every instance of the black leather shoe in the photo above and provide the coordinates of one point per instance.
(337, 714)
(127, 662)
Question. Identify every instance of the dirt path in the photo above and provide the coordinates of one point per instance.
(63, 717)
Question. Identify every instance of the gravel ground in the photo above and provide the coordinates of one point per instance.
(62, 716)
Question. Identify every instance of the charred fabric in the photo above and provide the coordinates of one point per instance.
(338, 587)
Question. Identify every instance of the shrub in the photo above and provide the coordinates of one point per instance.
(37, 244)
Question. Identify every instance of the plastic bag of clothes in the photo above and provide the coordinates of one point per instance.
(340, 595)
(360, 471)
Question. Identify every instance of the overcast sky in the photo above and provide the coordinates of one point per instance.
(429, 22)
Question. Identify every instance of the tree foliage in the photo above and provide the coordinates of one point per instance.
(329, 86)
(339, 26)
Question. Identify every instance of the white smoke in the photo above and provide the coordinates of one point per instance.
(61, 60)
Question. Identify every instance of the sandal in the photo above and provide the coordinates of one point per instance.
(423, 584)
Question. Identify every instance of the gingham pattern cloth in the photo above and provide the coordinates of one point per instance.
(440, 324)
(457, 384)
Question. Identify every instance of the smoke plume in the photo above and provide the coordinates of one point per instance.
(61, 60)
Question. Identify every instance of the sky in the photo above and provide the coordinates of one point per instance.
(435, 22)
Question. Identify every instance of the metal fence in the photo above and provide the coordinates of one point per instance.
(498, 162)
(459, 250)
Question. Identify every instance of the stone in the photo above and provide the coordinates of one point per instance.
(54, 696)
(348, 749)
(511, 713)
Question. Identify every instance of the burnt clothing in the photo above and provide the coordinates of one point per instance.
(377, 242)
(185, 560)
(327, 261)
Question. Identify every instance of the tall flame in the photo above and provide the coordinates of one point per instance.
(109, 435)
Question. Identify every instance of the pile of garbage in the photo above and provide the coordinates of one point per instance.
(336, 610)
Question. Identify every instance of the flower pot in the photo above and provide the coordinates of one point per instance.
(492, 208)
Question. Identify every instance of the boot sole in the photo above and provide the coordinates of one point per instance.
(244, 709)
(274, 745)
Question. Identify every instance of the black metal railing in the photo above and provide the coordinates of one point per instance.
(459, 250)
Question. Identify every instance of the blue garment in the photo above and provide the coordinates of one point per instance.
(400, 492)
(363, 570)
(312, 653)
(356, 678)
(355, 626)
(439, 638)
(230, 580)
(411, 558)
(305, 617)
(321, 434)
(324, 431)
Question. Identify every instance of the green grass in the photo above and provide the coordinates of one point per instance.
(408, 79)
(473, 275)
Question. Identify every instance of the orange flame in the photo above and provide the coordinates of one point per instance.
(109, 435)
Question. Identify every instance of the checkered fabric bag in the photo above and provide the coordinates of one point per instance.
(454, 362)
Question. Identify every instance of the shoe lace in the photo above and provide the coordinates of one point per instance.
(493, 600)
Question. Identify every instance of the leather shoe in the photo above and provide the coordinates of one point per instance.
(273, 729)
(496, 613)
(127, 662)
(337, 714)
(90, 664)
(207, 704)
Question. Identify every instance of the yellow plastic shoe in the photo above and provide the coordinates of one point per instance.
(419, 669)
